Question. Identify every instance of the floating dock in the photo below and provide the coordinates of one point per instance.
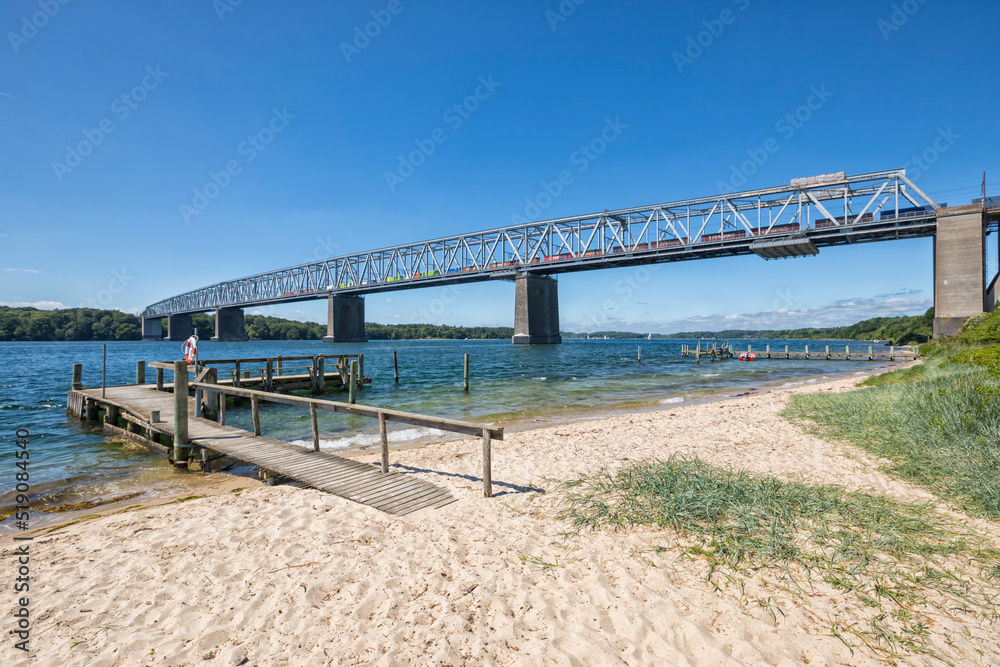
(859, 353)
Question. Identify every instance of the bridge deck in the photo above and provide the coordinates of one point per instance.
(391, 492)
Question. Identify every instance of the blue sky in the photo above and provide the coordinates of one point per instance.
(162, 95)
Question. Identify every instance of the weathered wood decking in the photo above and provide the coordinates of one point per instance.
(391, 492)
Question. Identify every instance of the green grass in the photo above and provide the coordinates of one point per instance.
(938, 428)
(885, 554)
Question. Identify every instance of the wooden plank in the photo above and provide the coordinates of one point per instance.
(405, 498)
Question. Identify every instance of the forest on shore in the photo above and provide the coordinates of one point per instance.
(90, 324)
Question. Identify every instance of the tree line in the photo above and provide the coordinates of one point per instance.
(91, 324)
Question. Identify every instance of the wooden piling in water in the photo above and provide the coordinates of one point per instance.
(786, 352)
(255, 413)
(828, 353)
(159, 379)
(395, 367)
(807, 351)
(870, 355)
(111, 415)
(140, 372)
(352, 381)
(465, 381)
(77, 376)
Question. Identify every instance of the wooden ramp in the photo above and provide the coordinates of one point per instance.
(391, 492)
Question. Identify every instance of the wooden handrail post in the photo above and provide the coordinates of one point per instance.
(222, 409)
(487, 465)
(236, 376)
(255, 411)
(269, 376)
(180, 410)
(352, 381)
(281, 370)
(315, 426)
(321, 373)
(383, 437)
(361, 371)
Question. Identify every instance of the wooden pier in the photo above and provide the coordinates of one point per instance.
(280, 374)
(177, 424)
(860, 353)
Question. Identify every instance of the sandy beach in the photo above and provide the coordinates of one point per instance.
(292, 576)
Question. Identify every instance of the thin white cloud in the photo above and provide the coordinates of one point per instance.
(23, 270)
(40, 305)
(13, 97)
(838, 313)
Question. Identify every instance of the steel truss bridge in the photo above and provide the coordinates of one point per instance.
(788, 220)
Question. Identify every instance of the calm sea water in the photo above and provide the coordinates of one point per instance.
(511, 384)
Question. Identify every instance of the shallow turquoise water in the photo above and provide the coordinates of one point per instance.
(510, 384)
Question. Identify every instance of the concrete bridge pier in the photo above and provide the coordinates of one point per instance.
(345, 320)
(960, 290)
(536, 310)
(152, 328)
(228, 325)
(179, 327)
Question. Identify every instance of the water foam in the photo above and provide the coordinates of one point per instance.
(370, 439)
(674, 399)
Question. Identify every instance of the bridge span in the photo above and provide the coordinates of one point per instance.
(792, 220)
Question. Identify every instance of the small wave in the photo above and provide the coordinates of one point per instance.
(369, 439)
(675, 399)
(710, 375)
(543, 378)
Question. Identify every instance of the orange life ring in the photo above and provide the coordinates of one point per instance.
(191, 349)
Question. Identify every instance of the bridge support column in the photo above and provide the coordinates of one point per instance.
(152, 328)
(179, 327)
(228, 325)
(345, 320)
(536, 310)
(959, 268)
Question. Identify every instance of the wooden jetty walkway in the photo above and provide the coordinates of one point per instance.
(162, 421)
(717, 352)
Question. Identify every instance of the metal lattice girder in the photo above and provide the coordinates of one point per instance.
(828, 209)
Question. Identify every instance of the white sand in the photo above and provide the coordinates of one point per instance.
(286, 576)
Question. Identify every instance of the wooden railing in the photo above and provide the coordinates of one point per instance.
(384, 415)
(269, 368)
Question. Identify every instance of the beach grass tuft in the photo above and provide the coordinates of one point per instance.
(887, 555)
(938, 427)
